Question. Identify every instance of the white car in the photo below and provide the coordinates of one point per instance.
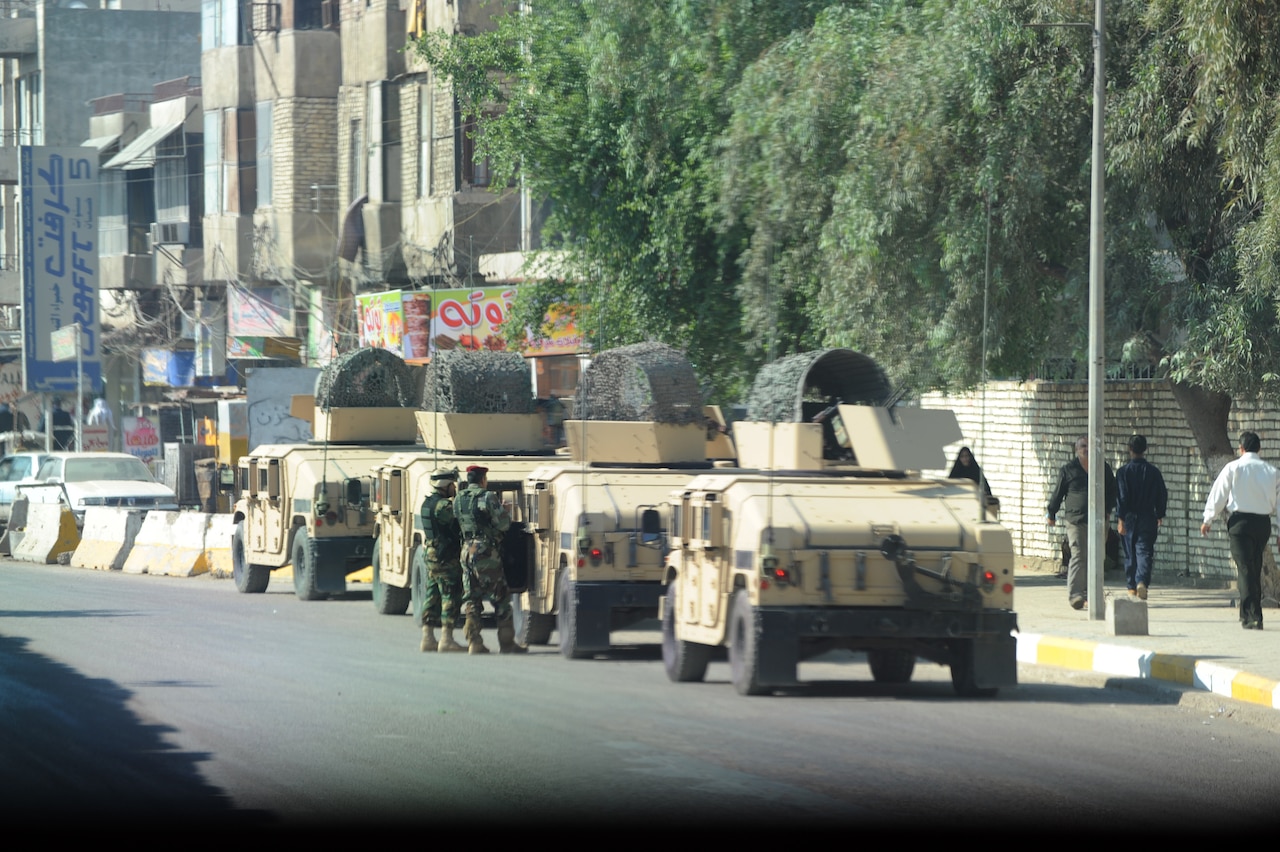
(82, 480)
(14, 469)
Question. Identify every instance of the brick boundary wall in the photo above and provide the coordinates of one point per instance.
(1029, 431)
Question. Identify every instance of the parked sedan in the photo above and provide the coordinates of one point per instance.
(82, 480)
(14, 469)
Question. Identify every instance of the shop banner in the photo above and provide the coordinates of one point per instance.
(416, 324)
(142, 438)
(59, 220)
(260, 312)
(558, 334)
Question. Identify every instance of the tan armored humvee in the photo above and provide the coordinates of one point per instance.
(817, 550)
(309, 504)
(600, 527)
(509, 445)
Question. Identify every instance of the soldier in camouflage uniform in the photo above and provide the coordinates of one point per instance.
(439, 559)
(484, 520)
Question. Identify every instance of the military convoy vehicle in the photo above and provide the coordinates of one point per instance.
(480, 411)
(830, 538)
(600, 523)
(509, 445)
(309, 504)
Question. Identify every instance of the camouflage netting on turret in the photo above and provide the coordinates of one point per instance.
(642, 382)
(459, 381)
(782, 388)
(366, 378)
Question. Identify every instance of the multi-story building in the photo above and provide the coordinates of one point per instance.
(335, 164)
(58, 56)
(271, 76)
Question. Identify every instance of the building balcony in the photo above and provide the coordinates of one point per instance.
(126, 272)
(10, 280)
(18, 38)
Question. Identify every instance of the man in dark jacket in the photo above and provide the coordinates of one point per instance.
(1141, 508)
(1072, 497)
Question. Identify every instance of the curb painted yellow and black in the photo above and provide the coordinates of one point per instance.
(1125, 661)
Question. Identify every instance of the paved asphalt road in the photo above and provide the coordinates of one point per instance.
(149, 701)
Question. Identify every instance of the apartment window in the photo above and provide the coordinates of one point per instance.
(475, 169)
(225, 23)
(30, 110)
(113, 219)
(239, 147)
(355, 170)
(392, 143)
(263, 122)
(306, 15)
(214, 199)
(173, 203)
(425, 129)
(230, 149)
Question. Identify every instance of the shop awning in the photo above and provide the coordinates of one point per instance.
(101, 143)
(141, 152)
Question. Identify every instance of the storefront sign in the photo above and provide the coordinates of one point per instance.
(142, 438)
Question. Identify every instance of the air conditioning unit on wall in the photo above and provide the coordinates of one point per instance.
(170, 233)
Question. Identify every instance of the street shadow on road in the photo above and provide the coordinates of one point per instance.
(73, 747)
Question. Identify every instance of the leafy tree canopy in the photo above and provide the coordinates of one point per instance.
(747, 179)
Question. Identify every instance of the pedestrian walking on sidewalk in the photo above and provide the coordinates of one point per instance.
(1143, 498)
(1249, 489)
(1072, 496)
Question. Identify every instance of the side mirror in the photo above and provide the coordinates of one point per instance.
(650, 527)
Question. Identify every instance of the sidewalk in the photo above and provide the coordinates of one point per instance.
(1194, 638)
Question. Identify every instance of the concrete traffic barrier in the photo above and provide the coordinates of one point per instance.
(217, 545)
(169, 543)
(50, 531)
(17, 524)
(107, 537)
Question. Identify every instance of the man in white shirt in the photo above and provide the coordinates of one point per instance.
(1249, 489)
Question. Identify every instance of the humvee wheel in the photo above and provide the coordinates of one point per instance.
(250, 579)
(685, 662)
(567, 623)
(417, 586)
(744, 650)
(387, 600)
(891, 665)
(304, 568)
(962, 672)
(535, 628)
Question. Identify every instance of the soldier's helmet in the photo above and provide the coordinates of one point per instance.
(441, 475)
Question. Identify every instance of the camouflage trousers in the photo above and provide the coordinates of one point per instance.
(445, 591)
(482, 578)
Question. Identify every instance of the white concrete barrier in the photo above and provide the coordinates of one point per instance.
(217, 545)
(17, 523)
(50, 531)
(169, 543)
(107, 538)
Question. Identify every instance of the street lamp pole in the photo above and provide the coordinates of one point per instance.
(1098, 522)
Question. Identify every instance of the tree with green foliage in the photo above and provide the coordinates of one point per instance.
(748, 179)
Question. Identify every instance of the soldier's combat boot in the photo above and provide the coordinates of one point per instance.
(475, 645)
(447, 643)
(428, 639)
(507, 639)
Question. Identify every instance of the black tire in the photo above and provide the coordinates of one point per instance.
(685, 662)
(962, 672)
(567, 623)
(535, 628)
(417, 587)
(744, 649)
(891, 665)
(304, 568)
(387, 599)
(250, 579)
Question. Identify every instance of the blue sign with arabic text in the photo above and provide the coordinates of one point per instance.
(59, 263)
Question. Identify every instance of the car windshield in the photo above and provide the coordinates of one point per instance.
(88, 470)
